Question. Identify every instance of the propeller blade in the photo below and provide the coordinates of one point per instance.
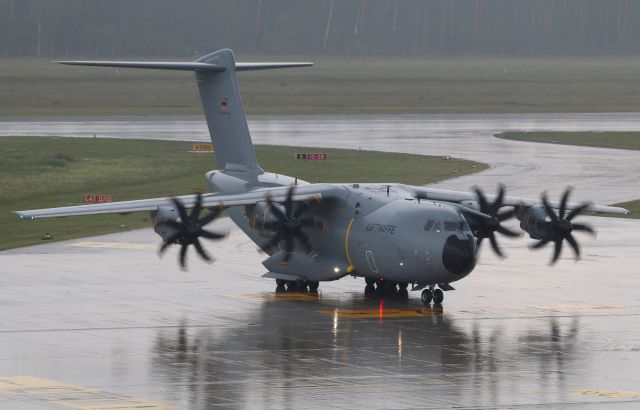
(548, 209)
(274, 209)
(310, 221)
(494, 245)
(304, 239)
(272, 226)
(574, 244)
(503, 216)
(212, 235)
(482, 201)
(275, 240)
(200, 250)
(288, 244)
(181, 210)
(213, 214)
(507, 232)
(563, 202)
(288, 203)
(577, 210)
(583, 227)
(540, 244)
(557, 250)
(302, 206)
(183, 256)
(169, 241)
(195, 212)
(497, 203)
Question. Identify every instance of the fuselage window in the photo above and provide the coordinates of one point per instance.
(428, 225)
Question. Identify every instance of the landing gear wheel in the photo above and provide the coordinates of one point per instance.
(438, 296)
(313, 286)
(390, 287)
(403, 294)
(370, 281)
(426, 296)
(281, 282)
(369, 291)
(296, 286)
(403, 285)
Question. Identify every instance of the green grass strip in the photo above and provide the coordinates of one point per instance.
(50, 172)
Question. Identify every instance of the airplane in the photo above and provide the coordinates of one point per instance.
(391, 234)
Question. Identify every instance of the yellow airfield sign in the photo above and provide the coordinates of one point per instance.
(202, 147)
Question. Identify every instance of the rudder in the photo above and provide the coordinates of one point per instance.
(225, 115)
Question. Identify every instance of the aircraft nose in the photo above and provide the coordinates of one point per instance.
(459, 255)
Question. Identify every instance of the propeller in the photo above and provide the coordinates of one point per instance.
(288, 225)
(486, 228)
(190, 229)
(561, 227)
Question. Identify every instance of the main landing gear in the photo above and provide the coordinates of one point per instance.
(297, 286)
(430, 293)
(382, 288)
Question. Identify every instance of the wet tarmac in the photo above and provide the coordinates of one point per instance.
(102, 322)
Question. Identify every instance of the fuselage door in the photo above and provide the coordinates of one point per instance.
(371, 262)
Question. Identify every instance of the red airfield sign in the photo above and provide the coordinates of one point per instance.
(97, 198)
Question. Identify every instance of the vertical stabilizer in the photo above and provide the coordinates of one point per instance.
(216, 76)
(225, 114)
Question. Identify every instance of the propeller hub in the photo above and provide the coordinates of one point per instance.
(564, 226)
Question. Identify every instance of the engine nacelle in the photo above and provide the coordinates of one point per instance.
(162, 215)
(260, 214)
(532, 220)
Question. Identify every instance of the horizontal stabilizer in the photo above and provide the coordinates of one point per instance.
(191, 66)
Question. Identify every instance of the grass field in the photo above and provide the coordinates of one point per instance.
(335, 85)
(48, 172)
(621, 140)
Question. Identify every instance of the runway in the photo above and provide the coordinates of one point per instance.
(102, 322)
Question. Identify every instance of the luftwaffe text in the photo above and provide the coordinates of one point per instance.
(390, 229)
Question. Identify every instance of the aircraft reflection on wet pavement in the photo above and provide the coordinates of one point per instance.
(312, 346)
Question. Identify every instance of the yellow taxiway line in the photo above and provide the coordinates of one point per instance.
(70, 396)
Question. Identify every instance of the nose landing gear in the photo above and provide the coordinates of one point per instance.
(430, 293)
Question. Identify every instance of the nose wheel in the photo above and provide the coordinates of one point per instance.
(427, 296)
(432, 294)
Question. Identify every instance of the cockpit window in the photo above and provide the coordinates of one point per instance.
(453, 226)
(436, 226)
(428, 225)
(450, 226)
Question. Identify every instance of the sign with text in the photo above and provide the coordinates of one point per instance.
(312, 156)
(203, 147)
(97, 198)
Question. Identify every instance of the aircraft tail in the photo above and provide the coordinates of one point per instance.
(223, 109)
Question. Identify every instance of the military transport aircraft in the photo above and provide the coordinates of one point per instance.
(391, 234)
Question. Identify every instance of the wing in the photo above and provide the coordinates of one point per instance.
(460, 197)
(278, 194)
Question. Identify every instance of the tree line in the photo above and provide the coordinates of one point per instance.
(48, 28)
